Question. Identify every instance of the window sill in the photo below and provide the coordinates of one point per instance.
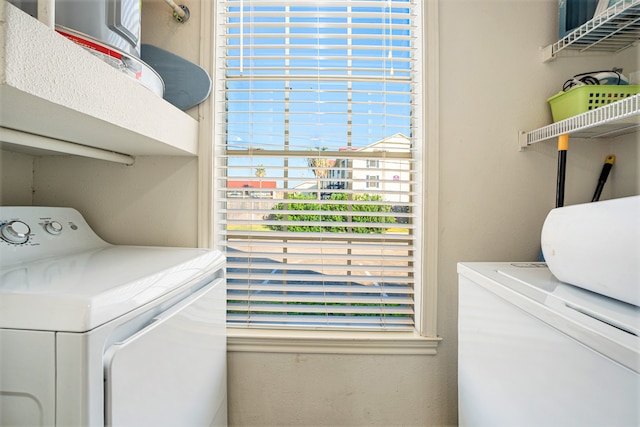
(329, 342)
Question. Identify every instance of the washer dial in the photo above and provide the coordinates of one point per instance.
(53, 227)
(16, 232)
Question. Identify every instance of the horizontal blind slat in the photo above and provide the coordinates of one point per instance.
(326, 309)
(313, 300)
(344, 280)
(337, 322)
(312, 237)
(255, 256)
(243, 286)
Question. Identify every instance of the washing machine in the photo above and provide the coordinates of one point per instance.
(95, 334)
(535, 351)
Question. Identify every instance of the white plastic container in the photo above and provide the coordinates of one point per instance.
(596, 246)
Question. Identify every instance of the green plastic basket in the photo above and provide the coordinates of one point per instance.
(586, 98)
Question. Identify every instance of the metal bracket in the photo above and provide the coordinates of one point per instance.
(523, 140)
(182, 19)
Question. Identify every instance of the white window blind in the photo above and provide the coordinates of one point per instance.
(319, 150)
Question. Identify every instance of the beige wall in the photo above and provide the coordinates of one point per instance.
(16, 179)
(493, 201)
(152, 202)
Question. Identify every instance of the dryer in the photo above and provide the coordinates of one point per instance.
(98, 334)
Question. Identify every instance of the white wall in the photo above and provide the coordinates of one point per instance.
(16, 179)
(625, 174)
(160, 29)
(152, 202)
(493, 201)
(307, 389)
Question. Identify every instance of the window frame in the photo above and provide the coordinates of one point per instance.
(424, 340)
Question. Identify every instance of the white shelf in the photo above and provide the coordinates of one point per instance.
(613, 30)
(52, 88)
(615, 119)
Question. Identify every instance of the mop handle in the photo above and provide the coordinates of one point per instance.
(606, 168)
(563, 146)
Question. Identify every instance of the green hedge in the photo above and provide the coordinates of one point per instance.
(333, 214)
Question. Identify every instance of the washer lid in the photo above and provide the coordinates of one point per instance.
(79, 292)
(607, 325)
(611, 312)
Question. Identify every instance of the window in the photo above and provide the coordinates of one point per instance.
(373, 163)
(315, 95)
(372, 181)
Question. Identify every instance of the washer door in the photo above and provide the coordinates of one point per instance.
(172, 372)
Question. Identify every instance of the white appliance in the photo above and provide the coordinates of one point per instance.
(99, 334)
(596, 246)
(534, 351)
(114, 22)
(108, 29)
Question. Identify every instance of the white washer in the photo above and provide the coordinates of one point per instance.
(534, 351)
(96, 334)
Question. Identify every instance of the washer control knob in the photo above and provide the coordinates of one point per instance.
(15, 232)
(53, 227)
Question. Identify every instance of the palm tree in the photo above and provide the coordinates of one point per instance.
(319, 166)
(261, 172)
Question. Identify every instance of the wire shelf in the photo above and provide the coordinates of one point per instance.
(613, 30)
(618, 118)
